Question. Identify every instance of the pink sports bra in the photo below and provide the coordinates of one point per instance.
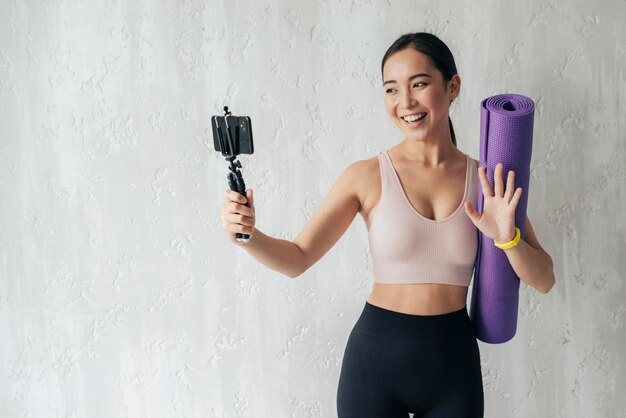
(408, 247)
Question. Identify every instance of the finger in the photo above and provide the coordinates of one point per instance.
(238, 208)
(250, 195)
(235, 218)
(510, 186)
(471, 212)
(230, 196)
(484, 182)
(516, 197)
(233, 196)
(497, 180)
(235, 202)
(242, 229)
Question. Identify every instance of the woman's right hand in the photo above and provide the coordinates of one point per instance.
(236, 216)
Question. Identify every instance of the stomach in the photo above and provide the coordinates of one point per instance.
(420, 298)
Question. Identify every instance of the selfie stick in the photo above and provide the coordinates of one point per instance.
(235, 179)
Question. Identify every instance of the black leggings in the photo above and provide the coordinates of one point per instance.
(396, 363)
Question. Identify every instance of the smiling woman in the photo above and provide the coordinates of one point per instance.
(413, 348)
(423, 247)
(427, 51)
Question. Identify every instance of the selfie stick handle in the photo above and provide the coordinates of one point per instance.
(235, 179)
(236, 183)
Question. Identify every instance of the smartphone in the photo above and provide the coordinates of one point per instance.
(234, 140)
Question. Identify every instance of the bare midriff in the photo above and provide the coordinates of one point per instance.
(420, 298)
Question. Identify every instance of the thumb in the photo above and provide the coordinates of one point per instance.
(250, 197)
(471, 212)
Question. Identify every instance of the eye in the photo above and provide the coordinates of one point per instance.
(418, 83)
(389, 90)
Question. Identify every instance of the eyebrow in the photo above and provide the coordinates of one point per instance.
(410, 78)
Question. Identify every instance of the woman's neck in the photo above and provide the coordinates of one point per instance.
(429, 153)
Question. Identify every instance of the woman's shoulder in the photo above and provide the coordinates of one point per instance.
(365, 166)
(360, 171)
(362, 176)
(476, 162)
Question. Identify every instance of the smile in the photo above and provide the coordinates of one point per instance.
(413, 120)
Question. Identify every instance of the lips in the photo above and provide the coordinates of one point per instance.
(413, 121)
(414, 116)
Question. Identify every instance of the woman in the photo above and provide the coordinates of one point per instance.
(413, 348)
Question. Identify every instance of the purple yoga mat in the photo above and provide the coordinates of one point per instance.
(506, 136)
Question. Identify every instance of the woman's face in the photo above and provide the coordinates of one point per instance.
(413, 87)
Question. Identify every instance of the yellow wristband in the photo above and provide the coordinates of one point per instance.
(510, 244)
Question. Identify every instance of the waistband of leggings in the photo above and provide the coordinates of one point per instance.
(391, 324)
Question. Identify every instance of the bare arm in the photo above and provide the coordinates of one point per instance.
(278, 254)
(329, 223)
(531, 262)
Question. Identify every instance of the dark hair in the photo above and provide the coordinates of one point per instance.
(430, 45)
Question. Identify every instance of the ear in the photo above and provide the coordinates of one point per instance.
(454, 87)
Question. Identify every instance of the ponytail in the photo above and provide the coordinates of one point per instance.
(452, 131)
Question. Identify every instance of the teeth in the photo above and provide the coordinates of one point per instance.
(414, 117)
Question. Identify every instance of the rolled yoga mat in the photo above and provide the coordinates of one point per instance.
(506, 134)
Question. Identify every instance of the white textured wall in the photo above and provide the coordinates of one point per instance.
(120, 296)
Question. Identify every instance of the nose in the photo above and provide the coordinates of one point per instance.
(406, 100)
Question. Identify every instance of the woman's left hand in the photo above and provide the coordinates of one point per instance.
(498, 218)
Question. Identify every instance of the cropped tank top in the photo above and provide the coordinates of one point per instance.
(407, 247)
